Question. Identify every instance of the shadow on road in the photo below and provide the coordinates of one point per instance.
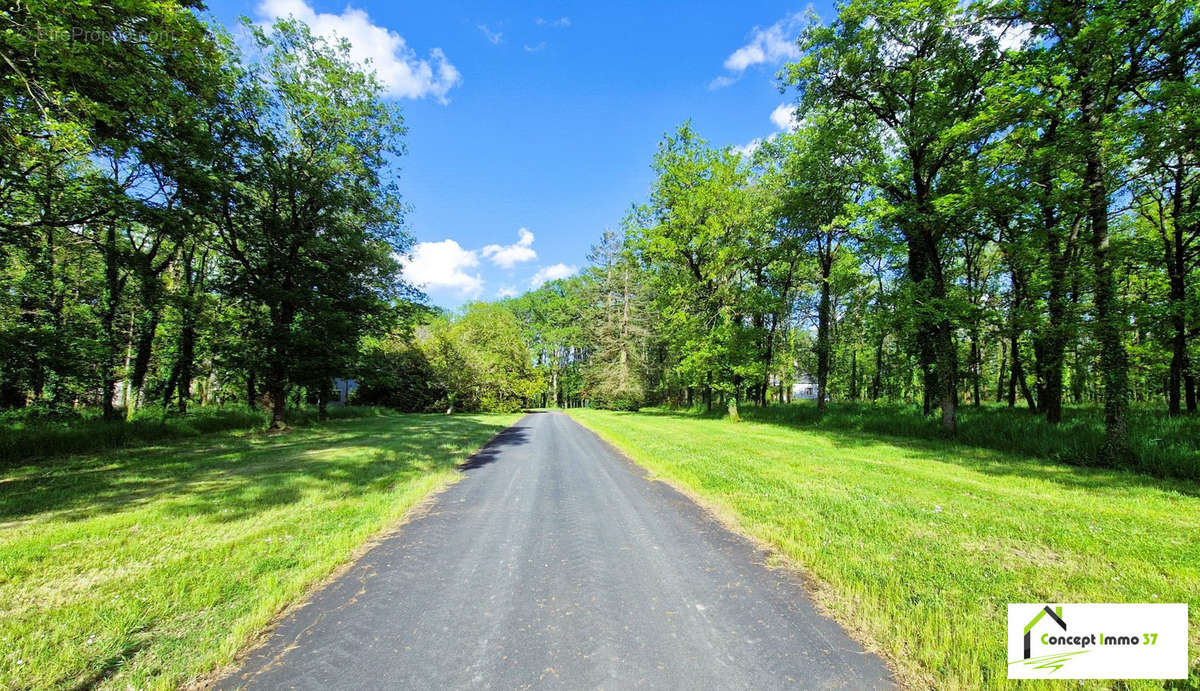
(516, 435)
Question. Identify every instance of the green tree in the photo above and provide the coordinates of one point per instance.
(915, 69)
(822, 170)
(481, 359)
(311, 225)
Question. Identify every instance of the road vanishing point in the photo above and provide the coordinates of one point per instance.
(556, 563)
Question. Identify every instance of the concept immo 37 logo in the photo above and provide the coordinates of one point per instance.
(1139, 641)
(1054, 661)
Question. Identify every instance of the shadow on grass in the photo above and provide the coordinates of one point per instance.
(1035, 454)
(235, 478)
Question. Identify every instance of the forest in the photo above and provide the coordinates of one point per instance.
(980, 205)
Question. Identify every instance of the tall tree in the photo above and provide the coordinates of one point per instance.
(1106, 52)
(915, 69)
(824, 172)
(312, 212)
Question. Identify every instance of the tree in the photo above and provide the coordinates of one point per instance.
(692, 236)
(620, 334)
(823, 171)
(99, 137)
(914, 68)
(311, 223)
(1105, 52)
(481, 359)
(1166, 191)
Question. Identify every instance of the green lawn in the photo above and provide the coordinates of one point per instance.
(151, 566)
(921, 544)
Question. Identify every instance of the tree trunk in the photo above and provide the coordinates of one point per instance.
(1114, 364)
(853, 374)
(945, 357)
(918, 271)
(1176, 260)
(1018, 378)
(1179, 354)
(877, 378)
(108, 318)
(976, 370)
(141, 358)
(823, 309)
(1000, 377)
(278, 391)
(1052, 356)
(251, 389)
(187, 357)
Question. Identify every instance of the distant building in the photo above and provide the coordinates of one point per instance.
(805, 386)
(342, 389)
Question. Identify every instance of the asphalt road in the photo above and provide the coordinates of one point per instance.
(555, 563)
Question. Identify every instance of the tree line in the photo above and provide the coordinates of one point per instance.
(995, 202)
(184, 217)
(989, 202)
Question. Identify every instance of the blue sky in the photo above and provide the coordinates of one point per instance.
(545, 116)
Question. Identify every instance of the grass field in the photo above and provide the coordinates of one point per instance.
(921, 544)
(150, 566)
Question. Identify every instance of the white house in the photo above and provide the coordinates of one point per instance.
(805, 386)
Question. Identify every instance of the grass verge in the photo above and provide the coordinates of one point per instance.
(149, 567)
(922, 544)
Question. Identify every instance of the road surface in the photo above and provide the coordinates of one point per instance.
(555, 563)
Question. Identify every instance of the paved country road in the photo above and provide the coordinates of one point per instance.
(555, 563)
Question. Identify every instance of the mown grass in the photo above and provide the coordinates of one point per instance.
(148, 567)
(1162, 446)
(29, 433)
(923, 543)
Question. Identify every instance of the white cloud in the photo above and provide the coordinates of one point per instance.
(535, 48)
(443, 265)
(401, 71)
(506, 292)
(774, 44)
(493, 37)
(552, 273)
(508, 256)
(560, 23)
(1009, 36)
(747, 150)
(720, 82)
(784, 117)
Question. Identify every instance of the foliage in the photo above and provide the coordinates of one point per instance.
(993, 202)
(146, 252)
(481, 360)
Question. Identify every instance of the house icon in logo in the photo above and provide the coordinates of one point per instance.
(1055, 614)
